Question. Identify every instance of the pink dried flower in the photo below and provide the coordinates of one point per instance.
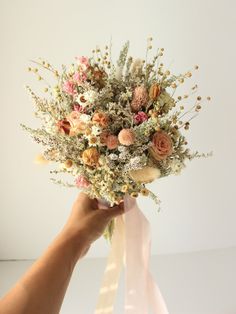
(83, 62)
(80, 77)
(140, 98)
(69, 88)
(78, 108)
(126, 137)
(140, 117)
(81, 182)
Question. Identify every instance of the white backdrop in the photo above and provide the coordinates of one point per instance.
(198, 208)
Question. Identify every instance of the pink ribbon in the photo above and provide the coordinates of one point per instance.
(131, 245)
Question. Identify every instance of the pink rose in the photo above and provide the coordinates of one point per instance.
(79, 77)
(140, 117)
(83, 62)
(81, 182)
(69, 88)
(111, 141)
(162, 145)
(126, 137)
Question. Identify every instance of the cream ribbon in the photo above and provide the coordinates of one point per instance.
(131, 245)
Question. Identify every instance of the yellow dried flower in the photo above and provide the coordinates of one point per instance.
(124, 188)
(90, 156)
(134, 194)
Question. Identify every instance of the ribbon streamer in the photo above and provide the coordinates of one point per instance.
(131, 245)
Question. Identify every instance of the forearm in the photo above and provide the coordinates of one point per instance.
(41, 290)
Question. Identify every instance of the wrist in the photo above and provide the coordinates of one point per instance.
(75, 241)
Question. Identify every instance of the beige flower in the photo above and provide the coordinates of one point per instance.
(145, 175)
(162, 146)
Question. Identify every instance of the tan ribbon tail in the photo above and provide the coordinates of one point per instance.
(107, 294)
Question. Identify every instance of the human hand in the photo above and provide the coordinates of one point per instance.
(88, 220)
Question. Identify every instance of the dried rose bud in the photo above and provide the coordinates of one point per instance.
(154, 91)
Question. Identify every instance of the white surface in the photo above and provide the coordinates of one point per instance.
(198, 208)
(193, 283)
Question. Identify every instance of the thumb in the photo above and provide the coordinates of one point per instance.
(116, 210)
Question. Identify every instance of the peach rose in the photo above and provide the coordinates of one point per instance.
(101, 119)
(73, 117)
(162, 145)
(77, 126)
(103, 137)
(64, 126)
(90, 156)
(112, 141)
(126, 137)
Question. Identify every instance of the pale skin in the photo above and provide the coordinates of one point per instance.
(42, 288)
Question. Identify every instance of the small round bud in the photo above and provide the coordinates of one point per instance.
(68, 163)
(144, 192)
(134, 194)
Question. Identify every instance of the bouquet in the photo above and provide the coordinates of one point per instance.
(114, 127)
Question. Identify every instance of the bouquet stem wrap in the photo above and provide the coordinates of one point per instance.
(131, 243)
